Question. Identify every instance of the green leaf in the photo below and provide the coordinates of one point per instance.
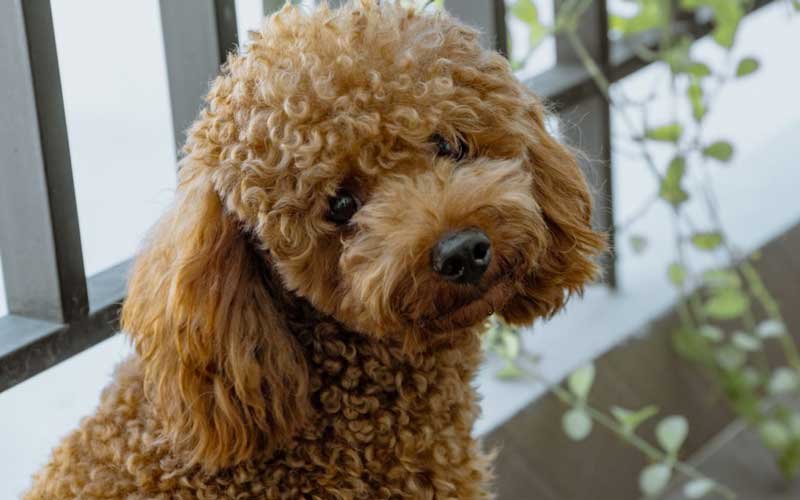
(527, 12)
(698, 488)
(581, 380)
(783, 380)
(698, 69)
(630, 420)
(688, 344)
(665, 133)
(677, 274)
(695, 94)
(721, 278)
(511, 343)
(789, 460)
(677, 55)
(577, 424)
(747, 66)
(650, 15)
(720, 150)
(711, 332)
(638, 243)
(728, 303)
(796, 4)
(671, 432)
(510, 371)
(730, 358)
(775, 435)
(727, 15)
(751, 377)
(654, 478)
(680, 61)
(746, 342)
(671, 188)
(794, 425)
(770, 328)
(739, 386)
(707, 240)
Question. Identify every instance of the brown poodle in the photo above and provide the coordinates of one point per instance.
(364, 187)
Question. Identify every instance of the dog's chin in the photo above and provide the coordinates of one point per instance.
(474, 312)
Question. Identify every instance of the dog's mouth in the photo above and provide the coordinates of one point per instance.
(474, 310)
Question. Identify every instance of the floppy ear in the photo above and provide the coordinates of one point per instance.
(566, 263)
(219, 363)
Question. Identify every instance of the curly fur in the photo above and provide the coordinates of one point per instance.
(281, 356)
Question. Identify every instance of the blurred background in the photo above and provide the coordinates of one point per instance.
(689, 123)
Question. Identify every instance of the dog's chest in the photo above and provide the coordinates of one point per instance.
(389, 425)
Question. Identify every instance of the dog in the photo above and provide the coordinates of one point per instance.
(364, 187)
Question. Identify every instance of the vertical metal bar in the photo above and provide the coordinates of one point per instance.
(592, 31)
(500, 27)
(227, 30)
(198, 34)
(589, 122)
(488, 15)
(39, 231)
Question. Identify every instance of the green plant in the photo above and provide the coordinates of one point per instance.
(579, 420)
(710, 301)
(671, 432)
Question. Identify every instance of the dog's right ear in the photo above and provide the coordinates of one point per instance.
(567, 261)
(219, 363)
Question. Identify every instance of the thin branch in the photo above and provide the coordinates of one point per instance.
(637, 214)
(637, 442)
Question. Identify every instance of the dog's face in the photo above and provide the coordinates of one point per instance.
(387, 170)
(392, 168)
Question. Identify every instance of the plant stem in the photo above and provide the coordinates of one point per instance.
(689, 306)
(760, 292)
(788, 346)
(637, 442)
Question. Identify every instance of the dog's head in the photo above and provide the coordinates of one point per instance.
(379, 165)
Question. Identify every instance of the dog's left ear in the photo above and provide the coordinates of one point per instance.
(223, 371)
(566, 263)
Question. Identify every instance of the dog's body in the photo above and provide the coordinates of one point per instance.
(364, 188)
(390, 426)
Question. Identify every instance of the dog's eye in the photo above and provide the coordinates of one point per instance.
(444, 148)
(343, 207)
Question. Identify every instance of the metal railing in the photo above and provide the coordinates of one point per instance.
(55, 311)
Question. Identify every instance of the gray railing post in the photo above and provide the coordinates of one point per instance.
(39, 232)
(227, 29)
(587, 123)
(488, 15)
(198, 34)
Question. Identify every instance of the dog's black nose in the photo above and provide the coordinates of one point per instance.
(462, 257)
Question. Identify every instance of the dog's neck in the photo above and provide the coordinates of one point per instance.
(307, 325)
(313, 330)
